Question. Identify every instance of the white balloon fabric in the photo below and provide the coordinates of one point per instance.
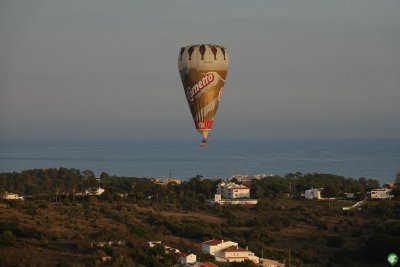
(203, 69)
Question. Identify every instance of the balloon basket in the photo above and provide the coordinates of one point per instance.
(204, 143)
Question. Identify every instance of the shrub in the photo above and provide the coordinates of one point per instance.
(334, 241)
(7, 238)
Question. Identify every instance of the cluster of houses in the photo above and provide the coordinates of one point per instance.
(166, 181)
(95, 191)
(246, 179)
(378, 193)
(222, 250)
(183, 258)
(102, 244)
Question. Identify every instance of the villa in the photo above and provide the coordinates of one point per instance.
(313, 193)
(12, 196)
(233, 194)
(227, 251)
(381, 193)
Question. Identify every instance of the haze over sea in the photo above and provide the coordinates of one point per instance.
(378, 159)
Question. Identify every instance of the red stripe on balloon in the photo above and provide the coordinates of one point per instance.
(204, 125)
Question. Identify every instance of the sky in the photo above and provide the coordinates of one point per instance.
(299, 69)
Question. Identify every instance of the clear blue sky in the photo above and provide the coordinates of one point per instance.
(299, 69)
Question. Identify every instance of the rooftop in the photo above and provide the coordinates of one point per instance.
(205, 264)
(213, 242)
(234, 249)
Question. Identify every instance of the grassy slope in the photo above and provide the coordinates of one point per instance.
(67, 230)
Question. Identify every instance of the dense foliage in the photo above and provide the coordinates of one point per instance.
(67, 182)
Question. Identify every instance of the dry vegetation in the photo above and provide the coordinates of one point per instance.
(313, 232)
(56, 229)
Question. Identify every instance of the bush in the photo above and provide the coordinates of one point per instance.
(7, 238)
(379, 246)
(334, 241)
(344, 257)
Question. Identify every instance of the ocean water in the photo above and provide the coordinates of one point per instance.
(378, 159)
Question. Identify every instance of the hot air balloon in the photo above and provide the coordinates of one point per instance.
(203, 69)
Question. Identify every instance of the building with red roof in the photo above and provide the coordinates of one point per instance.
(205, 264)
(227, 251)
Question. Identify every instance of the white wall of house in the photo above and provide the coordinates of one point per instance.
(313, 193)
(191, 258)
(232, 190)
(235, 192)
(380, 193)
(12, 196)
(211, 249)
(238, 255)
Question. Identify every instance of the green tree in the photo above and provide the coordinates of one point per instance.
(397, 179)
(328, 191)
(2, 192)
(259, 192)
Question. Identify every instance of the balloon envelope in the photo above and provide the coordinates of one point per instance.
(203, 69)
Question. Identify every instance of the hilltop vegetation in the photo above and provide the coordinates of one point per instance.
(53, 227)
(70, 181)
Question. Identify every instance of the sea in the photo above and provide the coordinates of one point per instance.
(376, 159)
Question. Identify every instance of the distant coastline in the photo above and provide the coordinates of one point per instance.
(376, 159)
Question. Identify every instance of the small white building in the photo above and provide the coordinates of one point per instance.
(232, 194)
(232, 190)
(152, 244)
(213, 245)
(235, 254)
(246, 179)
(313, 193)
(227, 251)
(12, 196)
(186, 258)
(381, 193)
(94, 191)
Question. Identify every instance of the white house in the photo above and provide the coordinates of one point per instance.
(246, 179)
(94, 191)
(152, 244)
(186, 258)
(227, 251)
(232, 194)
(235, 254)
(313, 193)
(12, 196)
(213, 245)
(381, 193)
(232, 190)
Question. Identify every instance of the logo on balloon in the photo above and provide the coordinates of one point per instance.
(191, 92)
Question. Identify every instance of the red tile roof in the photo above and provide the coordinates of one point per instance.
(213, 242)
(234, 249)
(206, 264)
